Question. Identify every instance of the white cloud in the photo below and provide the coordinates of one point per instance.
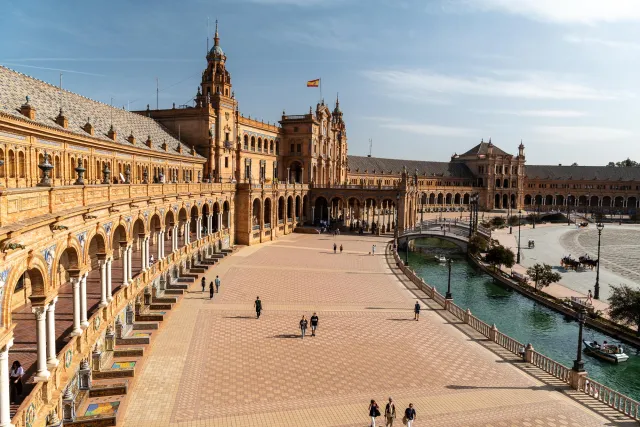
(614, 44)
(580, 134)
(527, 85)
(423, 128)
(566, 11)
(560, 114)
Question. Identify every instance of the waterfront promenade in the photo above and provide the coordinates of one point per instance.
(214, 364)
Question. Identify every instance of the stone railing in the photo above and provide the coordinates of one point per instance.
(18, 203)
(579, 381)
(615, 400)
(45, 396)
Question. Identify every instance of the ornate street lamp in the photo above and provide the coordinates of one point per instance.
(395, 231)
(578, 364)
(596, 289)
(519, 220)
(448, 294)
(406, 262)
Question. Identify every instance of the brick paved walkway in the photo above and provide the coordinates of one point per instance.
(214, 364)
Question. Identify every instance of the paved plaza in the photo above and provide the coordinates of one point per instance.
(619, 253)
(214, 364)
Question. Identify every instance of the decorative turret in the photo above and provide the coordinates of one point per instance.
(521, 149)
(215, 79)
(62, 119)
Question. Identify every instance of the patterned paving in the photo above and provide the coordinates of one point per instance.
(213, 363)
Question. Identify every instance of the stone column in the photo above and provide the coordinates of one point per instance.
(219, 219)
(129, 263)
(75, 283)
(175, 238)
(125, 266)
(186, 232)
(160, 243)
(228, 219)
(52, 360)
(143, 251)
(83, 301)
(103, 282)
(42, 373)
(147, 251)
(109, 296)
(5, 402)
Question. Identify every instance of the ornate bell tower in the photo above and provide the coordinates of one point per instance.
(215, 78)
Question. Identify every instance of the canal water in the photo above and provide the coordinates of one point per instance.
(525, 320)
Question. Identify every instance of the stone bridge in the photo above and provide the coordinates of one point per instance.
(453, 231)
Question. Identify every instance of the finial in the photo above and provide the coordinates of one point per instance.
(216, 28)
(28, 99)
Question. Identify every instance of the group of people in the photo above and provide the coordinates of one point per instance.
(390, 413)
(335, 248)
(214, 285)
(304, 323)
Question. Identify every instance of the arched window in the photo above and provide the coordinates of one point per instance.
(2, 172)
(259, 144)
(246, 142)
(21, 165)
(253, 143)
(12, 164)
(56, 167)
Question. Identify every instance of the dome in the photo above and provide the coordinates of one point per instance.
(216, 51)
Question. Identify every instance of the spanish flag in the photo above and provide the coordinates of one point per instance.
(313, 83)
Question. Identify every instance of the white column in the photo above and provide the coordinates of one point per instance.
(52, 360)
(210, 223)
(75, 283)
(103, 283)
(143, 253)
(160, 243)
(42, 373)
(174, 243)
(109, 296)
(228, 219)
(83, 301)
(148, 251)
(125, 267)
(219, 219)
(129, 264)
(5, 402)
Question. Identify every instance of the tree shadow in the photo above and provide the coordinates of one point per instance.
(287, 336)
(401, 320)
(239, 317)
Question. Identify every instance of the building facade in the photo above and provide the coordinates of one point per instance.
(100, 206)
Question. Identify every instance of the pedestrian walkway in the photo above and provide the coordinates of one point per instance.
(214, 364)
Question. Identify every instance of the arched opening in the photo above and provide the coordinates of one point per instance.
(440, 198)
(320, 211)
(619, 202)
(548, 200)
(255, 214)
(456, 199)
(253, 143)
(632, 203)
(12, 164)
(594, 201)
(496, 203)
(538, 200)
(432, 199)
(96, 257)
(138, 236)
(225, 215)
(448, 199)
(505, 201)
(193, 224)
(559, 200)
(246, 142)
(21, 165)
(289, 208)
(465, 200)
(606, 201)
(118, 245)
(206, 213)
(527, 200)
(281, 210)
(513, 201)
(155, 226)
(295, 172)
(182, 220)
(169, 223)
(498, 182)
(215, 219)
(267, 213)
(582, 201)
(305, 207)
(505, 183)
(298, 209)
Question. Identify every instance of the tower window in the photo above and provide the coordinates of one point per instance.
(226, 135)
(226, 162)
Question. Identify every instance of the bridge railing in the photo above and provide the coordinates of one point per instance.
(617, 401)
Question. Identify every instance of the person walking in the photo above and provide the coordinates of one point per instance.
(303, 326)
(334, 248)
(217, 282)
(258, 305)
(390, 413)
(340, 248)
(374, 412)
(416, 311)
(373, 249)
(410, 415)
(15, 381)
(210, 290)
(203, 282)
(314, 324)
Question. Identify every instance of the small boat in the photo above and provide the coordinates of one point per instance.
(441, 258)
(608, 352)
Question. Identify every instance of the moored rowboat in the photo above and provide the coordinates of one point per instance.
(608, 352)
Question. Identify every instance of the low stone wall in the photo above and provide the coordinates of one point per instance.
(577, 380)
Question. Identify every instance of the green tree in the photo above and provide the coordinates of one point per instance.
(628, 163)
(542, 275)
(624, 305)
(498, 255)
(477, 244)
(497, 221)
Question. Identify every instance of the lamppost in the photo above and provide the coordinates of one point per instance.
(596, 288)
(568, 211)
(406, 262)
(534, 212)
(395, 230)
(448, 294)
(519, 219)
(578, 364)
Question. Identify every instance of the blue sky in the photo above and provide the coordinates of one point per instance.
(423, 79)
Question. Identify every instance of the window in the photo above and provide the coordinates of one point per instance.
(275, 170)
(247, 168)
(295, 128)
(292, 147)
(226, 136)
(246, 142)
(226, 162)
(299, 150)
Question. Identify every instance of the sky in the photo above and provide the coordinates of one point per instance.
(421, 79)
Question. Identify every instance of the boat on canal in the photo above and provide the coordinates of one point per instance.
(441, 258)
(607, 352)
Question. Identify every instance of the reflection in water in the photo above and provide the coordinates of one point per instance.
(525, 320)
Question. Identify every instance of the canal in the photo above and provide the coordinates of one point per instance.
(525, 320)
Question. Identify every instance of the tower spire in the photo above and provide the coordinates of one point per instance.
(216, 39)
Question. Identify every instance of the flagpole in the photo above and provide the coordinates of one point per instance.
(320, 89)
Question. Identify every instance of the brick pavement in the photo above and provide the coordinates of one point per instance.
(214, 364)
